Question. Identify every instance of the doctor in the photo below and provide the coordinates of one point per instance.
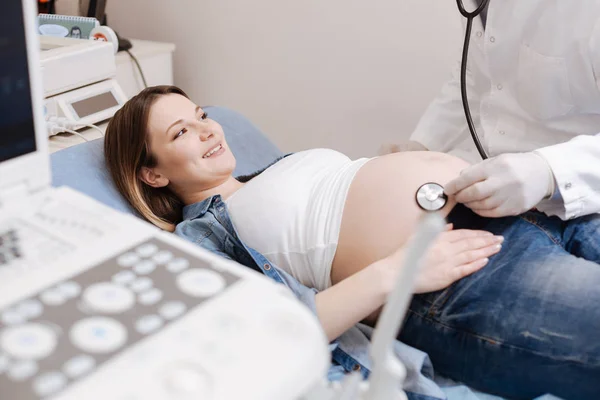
(533, 83)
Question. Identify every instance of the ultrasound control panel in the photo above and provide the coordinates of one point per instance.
(67, 331)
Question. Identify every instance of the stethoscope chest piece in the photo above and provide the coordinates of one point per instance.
(431, 197)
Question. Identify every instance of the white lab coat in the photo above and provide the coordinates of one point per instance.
(533, 83)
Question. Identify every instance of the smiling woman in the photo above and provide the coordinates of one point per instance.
(163, 152)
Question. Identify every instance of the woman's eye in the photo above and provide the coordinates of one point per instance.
(204, 115)
(181, 132)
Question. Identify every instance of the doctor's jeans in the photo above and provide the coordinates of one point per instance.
(526, 324)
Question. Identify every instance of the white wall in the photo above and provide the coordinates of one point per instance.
(344, 74)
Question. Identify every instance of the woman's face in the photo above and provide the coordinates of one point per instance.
(190, 149)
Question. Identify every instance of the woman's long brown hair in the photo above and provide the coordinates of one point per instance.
(126, 151)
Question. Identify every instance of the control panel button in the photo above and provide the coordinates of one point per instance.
(147, 249)
(178, 265)
(22, 370)
(123, 277)
(141, 284)
(4, 363)
(128, 259)
(53, 297)
(30, 308)
(98, 335)
(69, 289)
(108, 297)
(29, 341)
(148, 324)
(150, 297)
(144, 267)
(172, 309)
(78, 366)
(163, 257)
(13, 317)
(200, 282)
(49, 383)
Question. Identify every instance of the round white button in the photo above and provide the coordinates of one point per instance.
(172, 309)
(479, 34)
(188, 380)
(500, 87)
(141, 284)
(22, 370)
(13, 317)
(98, 334)
(502, 133)
(128, 259)
(4, 363)
(146, 250)
(53, 297)
(150, 297)
(148, 324)
(200, 282)
(108, 297)
(123, 277)
(163, 256)
(78, 366)
(30, 308)
(70, 289)
(48, 383)
(177, 265)
(29, 341)
(492, 39)
(144, 267)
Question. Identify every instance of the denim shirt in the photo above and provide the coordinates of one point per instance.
(207, 224)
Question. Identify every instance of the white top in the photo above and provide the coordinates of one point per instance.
(292, 212)
(533, 83)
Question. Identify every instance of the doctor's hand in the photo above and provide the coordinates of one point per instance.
(409, 145)
(509, 184)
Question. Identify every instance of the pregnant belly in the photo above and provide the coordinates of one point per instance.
(380, 212)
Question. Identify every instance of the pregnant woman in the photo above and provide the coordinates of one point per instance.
(520, 326)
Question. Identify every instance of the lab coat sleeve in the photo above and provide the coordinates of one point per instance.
(576, 168)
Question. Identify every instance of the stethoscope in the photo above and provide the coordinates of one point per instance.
(430, 196)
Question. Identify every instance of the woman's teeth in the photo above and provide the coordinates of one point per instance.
(213, 151)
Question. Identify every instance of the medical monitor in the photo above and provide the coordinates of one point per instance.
(16, 117)
(23, 144)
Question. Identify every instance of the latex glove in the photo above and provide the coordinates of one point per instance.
(409, 145)
(509, 184)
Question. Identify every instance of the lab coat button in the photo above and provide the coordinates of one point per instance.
(500, 87)
(502, 133)
(492, 39)
(479, 34)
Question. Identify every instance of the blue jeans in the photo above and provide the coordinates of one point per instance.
(526, 324)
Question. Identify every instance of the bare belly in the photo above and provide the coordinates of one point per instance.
(380, 212)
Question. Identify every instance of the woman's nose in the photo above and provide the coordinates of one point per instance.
(205, 134)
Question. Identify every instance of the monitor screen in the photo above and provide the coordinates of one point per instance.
(17, 135)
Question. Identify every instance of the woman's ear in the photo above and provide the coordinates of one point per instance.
(152, 178)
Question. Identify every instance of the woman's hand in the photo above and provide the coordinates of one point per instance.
(454, 255)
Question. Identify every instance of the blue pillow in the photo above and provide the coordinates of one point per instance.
(82, 167)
